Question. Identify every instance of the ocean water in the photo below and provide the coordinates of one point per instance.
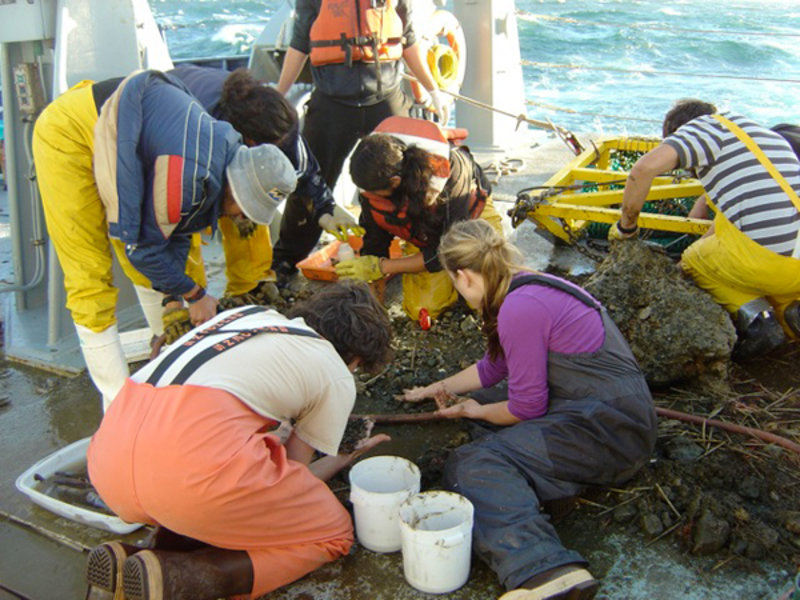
(607, 66)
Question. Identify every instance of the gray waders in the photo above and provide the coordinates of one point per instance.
(600, 429)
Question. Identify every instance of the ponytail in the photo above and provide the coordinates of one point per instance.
(379, 157)
(476, 246)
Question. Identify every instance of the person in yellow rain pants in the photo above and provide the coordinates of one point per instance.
(749, 260)
(414, 185)
(138, 161)
(262, 115)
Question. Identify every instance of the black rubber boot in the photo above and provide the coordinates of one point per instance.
(792, 317)
(763, 335)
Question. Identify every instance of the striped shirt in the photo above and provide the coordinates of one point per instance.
(737, 183)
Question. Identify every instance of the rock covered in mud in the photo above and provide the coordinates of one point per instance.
(675, 329)
(710, 534)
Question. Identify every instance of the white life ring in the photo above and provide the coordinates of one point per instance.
(447, 62)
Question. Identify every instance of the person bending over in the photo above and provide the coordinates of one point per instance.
(139, 162)
(187, 446)
(749, 260)
(414, 185)
(262, 115)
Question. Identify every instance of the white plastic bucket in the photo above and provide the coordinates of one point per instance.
(378, 486)
(436, 533)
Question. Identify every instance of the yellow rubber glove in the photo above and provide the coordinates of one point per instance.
(340, 224)
(615, 234)
(365, 268)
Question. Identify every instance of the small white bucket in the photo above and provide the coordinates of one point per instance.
(436, 532)
(378, 486)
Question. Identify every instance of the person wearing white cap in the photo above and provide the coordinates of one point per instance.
(139, 162)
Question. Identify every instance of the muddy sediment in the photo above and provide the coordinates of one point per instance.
(675, 330)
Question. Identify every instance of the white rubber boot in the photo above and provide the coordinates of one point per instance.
(150, 301)
(105, 361)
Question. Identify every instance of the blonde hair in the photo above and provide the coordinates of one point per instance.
(476, 246)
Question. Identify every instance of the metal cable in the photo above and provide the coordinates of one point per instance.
(532, 17)
(546, 65)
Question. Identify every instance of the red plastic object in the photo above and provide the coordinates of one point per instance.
(424, 319)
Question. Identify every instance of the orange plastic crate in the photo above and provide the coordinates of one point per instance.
(319, 265)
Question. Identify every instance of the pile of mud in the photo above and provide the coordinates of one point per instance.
(675, 330)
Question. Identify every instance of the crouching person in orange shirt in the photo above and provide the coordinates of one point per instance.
(186, 446)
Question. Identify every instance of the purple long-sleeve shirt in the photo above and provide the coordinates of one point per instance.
(533, 321)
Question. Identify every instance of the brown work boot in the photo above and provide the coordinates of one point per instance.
(200, 575)
(568, 582)
(104, 570)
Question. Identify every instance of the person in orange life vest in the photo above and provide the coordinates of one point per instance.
(355, 88)
(186, 445)
(414, 185)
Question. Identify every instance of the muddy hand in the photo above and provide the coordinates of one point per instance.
(467, 408)
(445, 399)
(418, 394)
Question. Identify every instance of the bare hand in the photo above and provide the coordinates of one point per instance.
(466, 409)
(368, 444)
(202, 310)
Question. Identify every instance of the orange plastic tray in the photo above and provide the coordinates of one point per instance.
(319, 265)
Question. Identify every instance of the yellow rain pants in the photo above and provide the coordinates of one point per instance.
(63, 145)
(247, 261)
(435, 291)
(735, 270)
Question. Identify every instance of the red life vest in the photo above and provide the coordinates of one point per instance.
(352, 30)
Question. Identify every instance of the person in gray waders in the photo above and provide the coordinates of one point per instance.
(574, 411)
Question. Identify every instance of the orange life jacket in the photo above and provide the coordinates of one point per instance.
(352, 30)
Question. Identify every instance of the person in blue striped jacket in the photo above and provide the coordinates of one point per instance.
(749, 259)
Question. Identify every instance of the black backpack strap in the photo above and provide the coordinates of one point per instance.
(519, 281)
(239, 335)
(224, 345)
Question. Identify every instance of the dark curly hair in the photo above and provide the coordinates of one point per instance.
(379, 157)
(683, 111)
(255, 110)
(349, 316)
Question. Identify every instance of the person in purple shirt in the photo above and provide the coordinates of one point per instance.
(576, 411)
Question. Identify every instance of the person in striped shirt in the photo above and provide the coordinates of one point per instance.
(749, 260)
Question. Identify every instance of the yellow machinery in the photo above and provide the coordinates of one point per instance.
(589, 190)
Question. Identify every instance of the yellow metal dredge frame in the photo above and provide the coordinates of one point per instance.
(562, 208)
